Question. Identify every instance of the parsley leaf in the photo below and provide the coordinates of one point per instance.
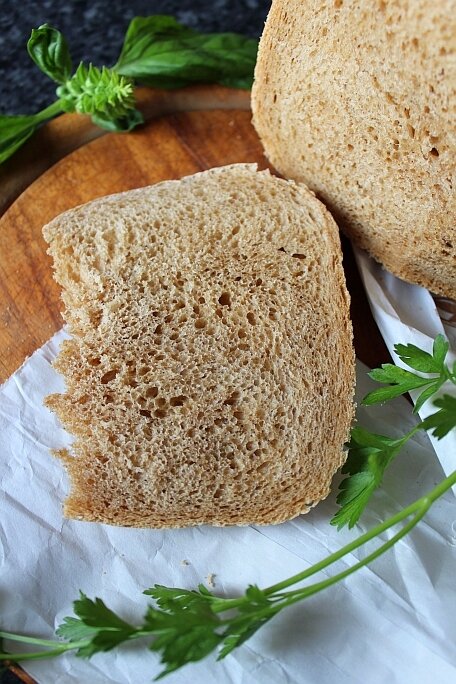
(185, 626)
(253, 614)
(368, 457)
(103, 629)
(444, 420)
(421, 360)
(399, 380)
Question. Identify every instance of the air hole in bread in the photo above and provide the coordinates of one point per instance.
(200, 323)
(178, 401)
(232, 399)
(108, 377)
(225, 299)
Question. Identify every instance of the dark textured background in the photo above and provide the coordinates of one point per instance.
(94, 31)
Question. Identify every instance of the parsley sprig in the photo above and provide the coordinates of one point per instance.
(157, 51)
(185, 626)
(370, 454)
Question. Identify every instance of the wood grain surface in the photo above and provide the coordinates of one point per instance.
(70, 162)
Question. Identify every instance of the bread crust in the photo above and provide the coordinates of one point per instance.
(358, 100)
(210, 373)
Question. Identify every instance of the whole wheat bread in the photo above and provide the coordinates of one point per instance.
(357, 98)
(210, 372)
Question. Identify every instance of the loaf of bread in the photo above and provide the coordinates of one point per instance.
(357, 98)
(210, 374)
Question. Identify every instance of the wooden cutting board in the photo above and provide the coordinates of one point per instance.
(70, 161)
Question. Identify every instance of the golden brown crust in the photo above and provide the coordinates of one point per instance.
(210, 373)
(358, 100)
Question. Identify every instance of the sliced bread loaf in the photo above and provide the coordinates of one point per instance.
(210, 372)
(357, 98)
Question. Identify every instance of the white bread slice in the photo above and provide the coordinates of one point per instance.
(210, 374)
(357, 98)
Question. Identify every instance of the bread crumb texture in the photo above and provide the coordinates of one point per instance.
(210, 374)
(357, 98)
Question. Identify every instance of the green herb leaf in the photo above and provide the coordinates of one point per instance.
(122, 125)
(161, 53)
(103, 94)
(100, 626)
(168, 598)
(368, 457)
(257, 609)
(185, 627)
(400, 381)
(49, 50)
(74, 629)
(422, 361)
(444, 420)
(97, 614)
(14, 131)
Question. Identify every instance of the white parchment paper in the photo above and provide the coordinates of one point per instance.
(393, 622)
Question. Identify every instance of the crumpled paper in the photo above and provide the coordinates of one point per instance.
(394, 621)
(407, 314)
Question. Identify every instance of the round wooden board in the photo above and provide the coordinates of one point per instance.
(170, 146)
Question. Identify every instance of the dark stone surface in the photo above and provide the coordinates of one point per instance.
(94, 31)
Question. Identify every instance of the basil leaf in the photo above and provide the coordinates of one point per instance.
(161, 53)
(14, 131)
(121, 125)
(49, 50)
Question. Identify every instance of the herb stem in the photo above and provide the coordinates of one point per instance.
(26, 639)
(57, 647)
(49, 112)
(420, 506)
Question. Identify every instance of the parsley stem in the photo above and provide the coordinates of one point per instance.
(420, 505)
(26, 639)
(58, 647)
(300, 594)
